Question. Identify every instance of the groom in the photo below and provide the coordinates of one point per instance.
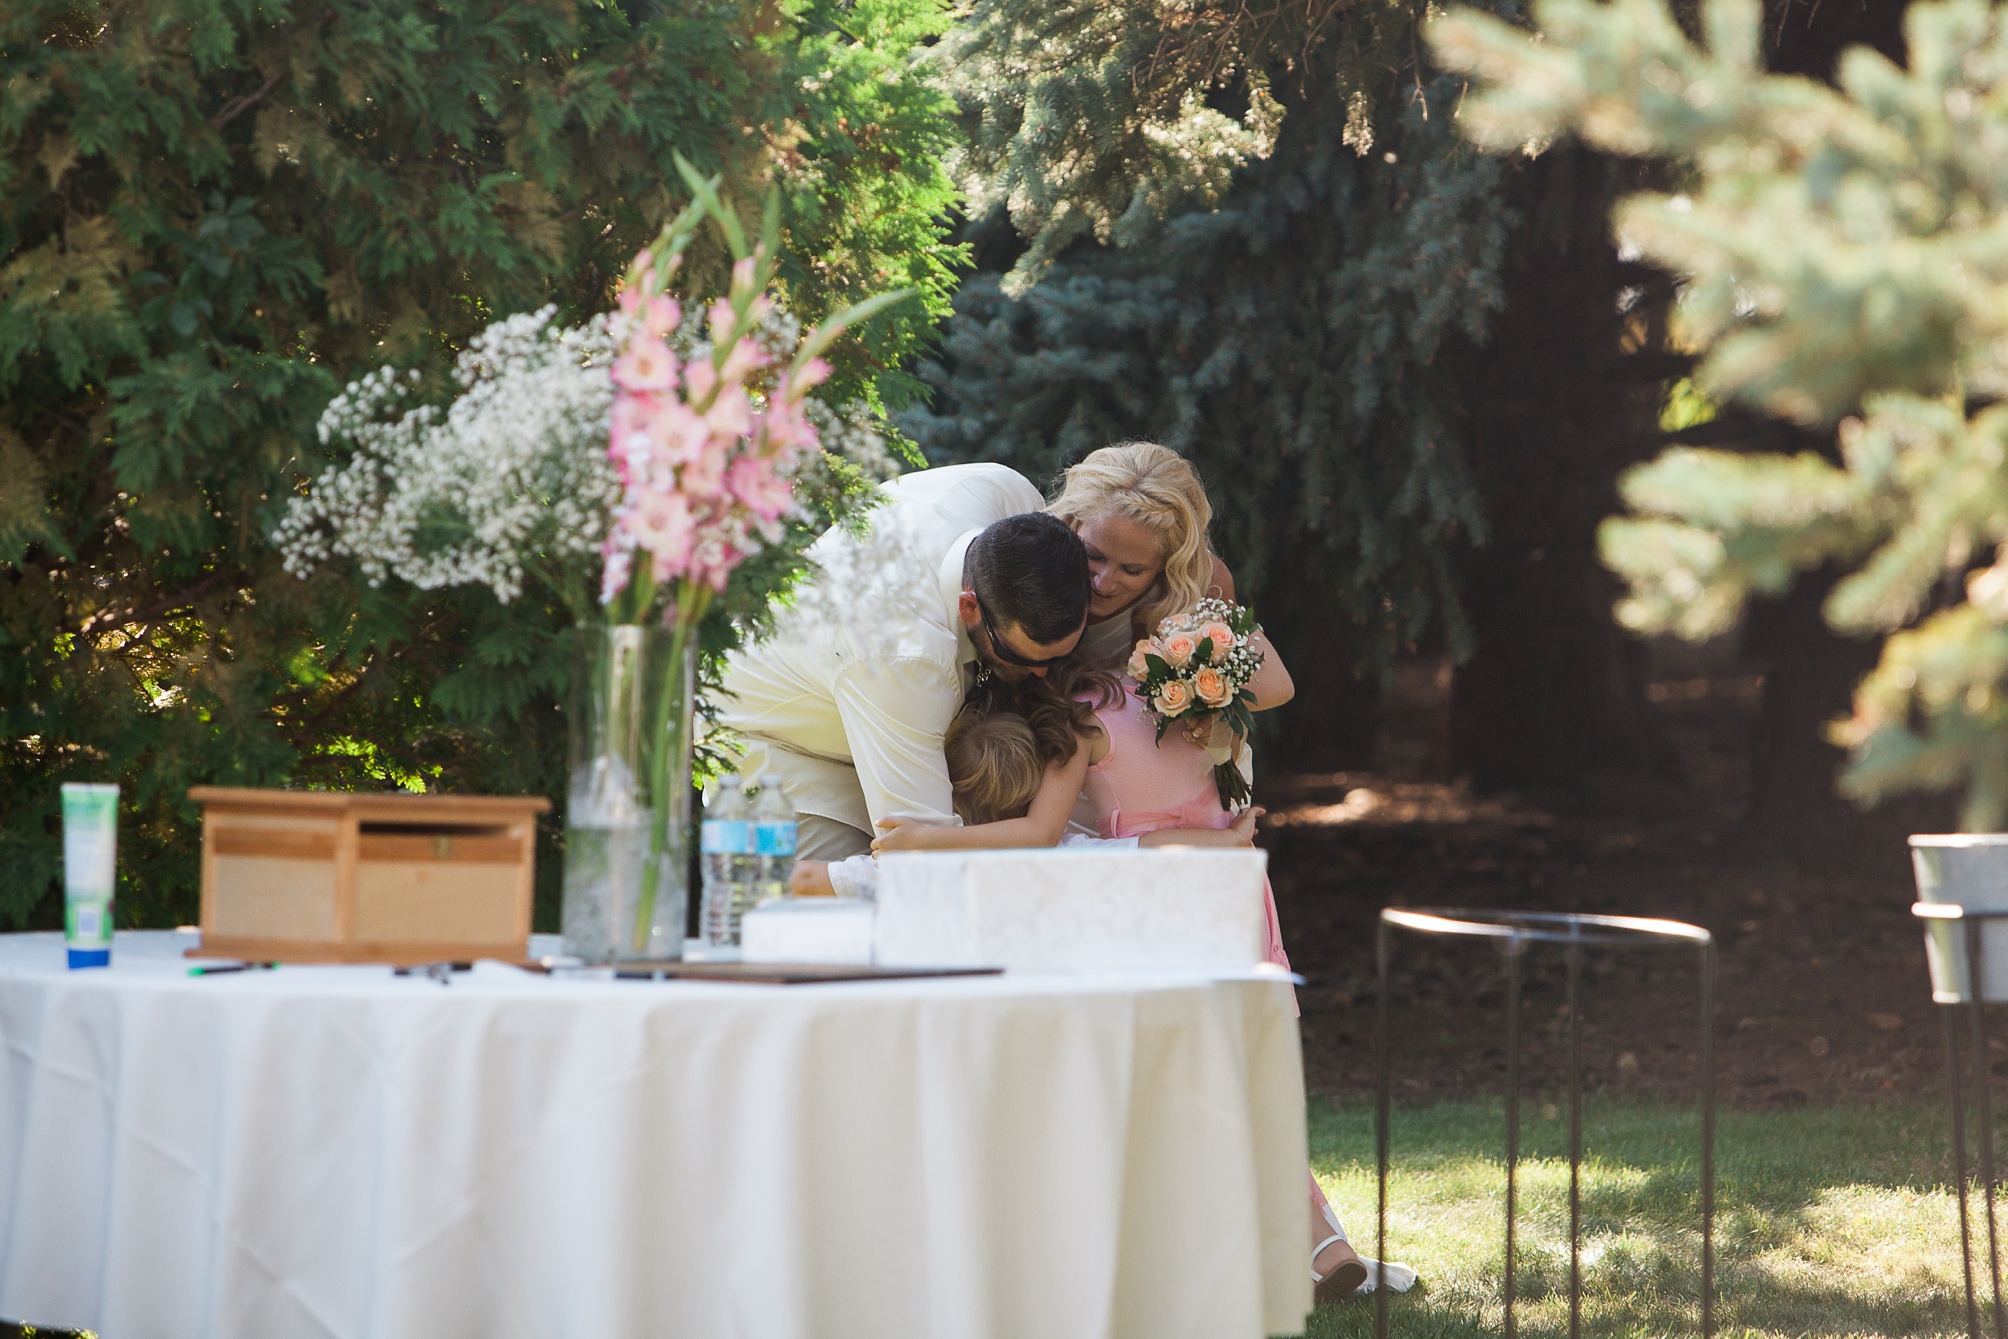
(847, 700)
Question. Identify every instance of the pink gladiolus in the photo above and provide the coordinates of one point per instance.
(680, 432)
(634, 413)
(755, 484)
(811, 374)
(664, 315)
(663, 525)
(630, 300)
(743, 359)
(648, 365)
(703, 474)
(730, 415)
(787, 429)
(722, 320)
(742, 274)
(699, 378)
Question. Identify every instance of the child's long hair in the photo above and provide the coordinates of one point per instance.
(1052, 706)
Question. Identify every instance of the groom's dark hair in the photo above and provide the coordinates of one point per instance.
(1031, 570)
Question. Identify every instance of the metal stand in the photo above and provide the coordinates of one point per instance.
(1514, 932)
(1974, 1001)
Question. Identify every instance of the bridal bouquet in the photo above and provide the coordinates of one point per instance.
(1195, 672)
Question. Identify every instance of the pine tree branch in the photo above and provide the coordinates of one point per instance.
(238, 106)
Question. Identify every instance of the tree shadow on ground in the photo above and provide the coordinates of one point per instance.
(1829, 1220)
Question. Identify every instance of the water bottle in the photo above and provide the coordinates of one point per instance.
(773, 841)
(725, 840)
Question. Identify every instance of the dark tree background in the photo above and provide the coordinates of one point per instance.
(1411, 387)
(213, 213)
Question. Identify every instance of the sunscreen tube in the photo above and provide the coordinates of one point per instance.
(90, 869)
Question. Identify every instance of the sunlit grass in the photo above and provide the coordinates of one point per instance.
(1828, 1221)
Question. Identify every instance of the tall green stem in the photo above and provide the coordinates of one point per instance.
(669, 733)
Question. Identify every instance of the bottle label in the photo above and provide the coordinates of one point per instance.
(775, 838)
(724, 836)
(89, 924)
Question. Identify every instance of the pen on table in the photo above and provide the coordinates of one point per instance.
(221, 968)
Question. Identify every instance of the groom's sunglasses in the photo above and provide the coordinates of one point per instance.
(1004, 652)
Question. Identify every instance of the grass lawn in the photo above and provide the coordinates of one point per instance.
(1829, 1221)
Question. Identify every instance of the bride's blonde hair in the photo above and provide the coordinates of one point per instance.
(1156, 488)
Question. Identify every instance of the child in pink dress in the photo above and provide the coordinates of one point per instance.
(1141, 784)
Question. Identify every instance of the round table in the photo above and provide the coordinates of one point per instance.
(337, 1151)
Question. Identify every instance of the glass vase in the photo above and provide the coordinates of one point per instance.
(627, 812)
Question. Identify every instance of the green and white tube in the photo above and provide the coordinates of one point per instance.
(90, 871)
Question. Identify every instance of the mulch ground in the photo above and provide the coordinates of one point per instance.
(1823, 994)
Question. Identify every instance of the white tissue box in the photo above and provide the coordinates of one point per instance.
(1073, 910)
(827, 930)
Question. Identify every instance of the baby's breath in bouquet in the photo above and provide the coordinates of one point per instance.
(1195, 672)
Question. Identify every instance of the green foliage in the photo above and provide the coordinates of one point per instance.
(1840, 249)
(214, 212)
(1286, 341)
(1085, 117)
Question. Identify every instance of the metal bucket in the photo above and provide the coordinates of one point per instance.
(1969, 870)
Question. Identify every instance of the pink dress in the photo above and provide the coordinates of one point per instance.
(1143, 785)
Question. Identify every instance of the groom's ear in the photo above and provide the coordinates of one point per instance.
(965, 605)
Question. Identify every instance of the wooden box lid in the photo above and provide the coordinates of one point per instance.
(371, 806)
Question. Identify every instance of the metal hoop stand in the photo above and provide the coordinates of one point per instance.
(1514, 931)
(1975, 1001)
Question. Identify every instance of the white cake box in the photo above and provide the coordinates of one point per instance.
(1073, 909)
(822, 930)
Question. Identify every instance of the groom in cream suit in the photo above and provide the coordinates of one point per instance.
(847, 700)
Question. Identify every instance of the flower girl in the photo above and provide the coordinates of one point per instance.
(1156, 791)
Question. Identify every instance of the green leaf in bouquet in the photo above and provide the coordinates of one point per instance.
(1202, 654)
(1160, 669)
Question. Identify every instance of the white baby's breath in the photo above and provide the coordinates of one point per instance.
(514, 471)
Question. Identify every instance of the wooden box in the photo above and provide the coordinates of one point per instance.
(317, 876)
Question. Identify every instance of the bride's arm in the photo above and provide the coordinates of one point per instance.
(1043, 824)
(1271, 685)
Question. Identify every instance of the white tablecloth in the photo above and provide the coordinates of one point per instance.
(334, 1151)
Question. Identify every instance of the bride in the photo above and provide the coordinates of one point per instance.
(1142, 515)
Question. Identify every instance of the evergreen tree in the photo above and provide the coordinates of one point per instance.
(214, 212)
(1840, 258)
(1285, 339)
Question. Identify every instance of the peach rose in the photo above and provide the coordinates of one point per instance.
(1212, 687)
(1221, 636)
(1178, 649)
(1173, 697)
(1139, 669)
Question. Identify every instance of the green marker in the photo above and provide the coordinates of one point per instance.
(90, 868)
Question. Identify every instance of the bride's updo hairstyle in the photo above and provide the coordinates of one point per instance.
(1158, 489)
